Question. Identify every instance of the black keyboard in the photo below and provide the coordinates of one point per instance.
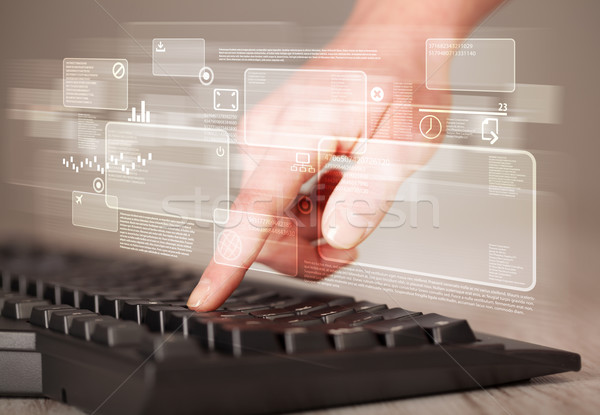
(115, 337)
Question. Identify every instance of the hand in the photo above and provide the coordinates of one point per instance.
(291, 116)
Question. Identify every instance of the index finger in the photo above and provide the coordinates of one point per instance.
(270, 189)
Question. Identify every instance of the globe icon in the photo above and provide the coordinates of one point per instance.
(229, 245)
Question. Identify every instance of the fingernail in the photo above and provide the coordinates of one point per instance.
(345, 230)
(200, 293)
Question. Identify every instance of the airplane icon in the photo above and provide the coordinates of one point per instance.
(78, 199)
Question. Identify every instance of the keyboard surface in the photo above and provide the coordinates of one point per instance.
(114, 336)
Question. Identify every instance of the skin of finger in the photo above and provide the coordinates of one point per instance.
(370, 202)
(279, 192)
(384, 181)
(281, 257)
(308, 221)
(226, 280)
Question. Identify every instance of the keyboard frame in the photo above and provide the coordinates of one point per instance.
(42, 362)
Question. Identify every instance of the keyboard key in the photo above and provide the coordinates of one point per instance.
(179, 321)
(284, 302)
(299, 321)
(5, 296)
(135, 310)
(247, 307)
(396, 333)
(242, 291)
(52, 292)
(249, 337)
(203, 326)
(233, 300)
(118, 333)
(301, 340)
(113, 305)
(10, 282)
(369, 306)
(157, 316)
(61, 319)
(92, 299)
(259, 297)
(332, 299)
(83, 326)
(222, 314)
(70, 295)
(169, 347)
(352, 338)
(35, 288)
(41, 315)
(309, 306)
(394, 313)
(182, 304)
(330, 314)
(273, 313)
(358, 319)
(5, 280)
(19, 284)
(20, 309)
(445, 330)
(166, 298)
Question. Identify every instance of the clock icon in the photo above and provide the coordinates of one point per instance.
(430, 127)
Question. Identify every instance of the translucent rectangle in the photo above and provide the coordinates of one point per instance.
(95, 83)
(484, 65)
(302, 106)
(179, 57)
(91, 210)
(237, 233)
(462, 213)
(182, 171)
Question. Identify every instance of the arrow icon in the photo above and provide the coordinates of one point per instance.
(160, 47)
(489, 130)
(495, 137)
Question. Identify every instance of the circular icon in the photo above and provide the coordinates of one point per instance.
(377, 94)
(229, 245)
(305, 205)
(98, 185)
(118, 70)
(206, 76)
(430, 126)
(220, 151)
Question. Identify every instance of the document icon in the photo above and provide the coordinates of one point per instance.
(489, 130)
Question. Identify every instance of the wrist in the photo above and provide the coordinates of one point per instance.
(433, 18)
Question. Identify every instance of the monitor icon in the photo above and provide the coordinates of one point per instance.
(302, 163)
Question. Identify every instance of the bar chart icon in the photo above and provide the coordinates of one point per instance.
(142, 116)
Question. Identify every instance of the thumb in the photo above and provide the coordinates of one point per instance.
(368, 188)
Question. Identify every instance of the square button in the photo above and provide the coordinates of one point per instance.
(226, 99)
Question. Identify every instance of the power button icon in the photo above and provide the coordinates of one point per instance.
(220, 151)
